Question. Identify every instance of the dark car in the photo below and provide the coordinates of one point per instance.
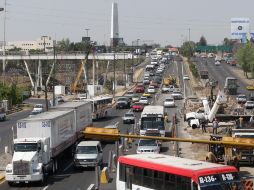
(123, 103)
(140, 89)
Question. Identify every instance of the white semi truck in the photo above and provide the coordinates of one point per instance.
(42, 139)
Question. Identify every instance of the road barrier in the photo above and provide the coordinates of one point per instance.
(248, 184)
(105, 175)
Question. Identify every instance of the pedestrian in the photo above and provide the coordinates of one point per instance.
(251, 120)
(215, 126)
(203, 125)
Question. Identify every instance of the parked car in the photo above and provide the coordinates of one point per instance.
(138, 107)
(249, 105)
(148, 146)
(186, 77)
(169, 102)
(129, 117)
(144, 100)
(60, 99)
(241, 98)
(88, 154)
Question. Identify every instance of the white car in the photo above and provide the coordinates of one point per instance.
(38, 108)
(217, 63)
(186, 77)
(144, 100)
(249, 105)
(177, 95)
(169, 102)
(148, 146)
(166, 89)
(151, 89)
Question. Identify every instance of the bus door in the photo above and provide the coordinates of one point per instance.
(128, 178)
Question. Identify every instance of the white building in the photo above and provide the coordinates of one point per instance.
(42, 43)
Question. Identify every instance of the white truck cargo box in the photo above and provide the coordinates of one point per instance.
(58, 125)
(59, 90)
(82, 112)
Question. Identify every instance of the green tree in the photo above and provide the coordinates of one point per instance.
(187, 49)
(202, 41)
(63, 45)
(245, 57)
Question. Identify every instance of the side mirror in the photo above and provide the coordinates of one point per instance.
(45, 148)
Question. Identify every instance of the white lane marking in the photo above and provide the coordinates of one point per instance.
(68, 167)
(45, 187)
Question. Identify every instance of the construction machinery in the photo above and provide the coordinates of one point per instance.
(231, 86)
(78, 85)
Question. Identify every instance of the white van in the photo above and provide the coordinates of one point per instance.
(88, 154)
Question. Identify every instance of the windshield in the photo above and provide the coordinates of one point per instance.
(152, 123)
(225, 181)
(38, 106)
(149, 142)
(25, 147)
(86, 150)
(129, 115)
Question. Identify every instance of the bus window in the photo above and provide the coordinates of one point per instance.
(129, 178)
(158, 179)
(122, 173)
(170, 181)
(137, 176)
(148, 178)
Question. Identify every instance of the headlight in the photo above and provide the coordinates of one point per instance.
(8, 171)
(35, 170)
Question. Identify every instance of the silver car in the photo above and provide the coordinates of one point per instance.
(129, 118)
(148, 146)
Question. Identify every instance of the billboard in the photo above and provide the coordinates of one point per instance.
(239, 28)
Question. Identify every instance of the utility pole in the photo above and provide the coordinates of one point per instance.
(54, 72)
(4, 53)
(124, 69)
(114, 84)
(189, 34)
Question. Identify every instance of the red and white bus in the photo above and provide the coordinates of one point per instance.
(163, 172)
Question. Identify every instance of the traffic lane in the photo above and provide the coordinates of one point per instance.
(6, 132)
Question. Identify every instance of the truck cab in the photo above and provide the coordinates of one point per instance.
(28, 162)
(88, 154)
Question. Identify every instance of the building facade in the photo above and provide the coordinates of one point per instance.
(44, 43)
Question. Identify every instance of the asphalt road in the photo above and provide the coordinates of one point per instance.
(220, 73)
(68, 178)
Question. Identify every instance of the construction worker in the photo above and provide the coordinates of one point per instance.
(215, 126)
(203, 125)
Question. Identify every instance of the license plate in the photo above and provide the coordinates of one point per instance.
(244, 157)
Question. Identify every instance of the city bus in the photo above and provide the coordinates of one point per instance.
(163, 172)
(152, 121)
(101, 106)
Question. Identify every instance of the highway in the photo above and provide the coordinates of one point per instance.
(69, 178)
(220, 72)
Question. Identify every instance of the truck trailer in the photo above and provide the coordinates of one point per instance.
(40, 142)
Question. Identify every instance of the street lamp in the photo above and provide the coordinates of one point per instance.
(137, 51)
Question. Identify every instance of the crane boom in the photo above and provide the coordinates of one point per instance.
(116, 136)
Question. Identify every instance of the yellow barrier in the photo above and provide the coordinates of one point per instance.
(104, 175)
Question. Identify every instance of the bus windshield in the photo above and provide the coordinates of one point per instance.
(152, 123)
(227, 181)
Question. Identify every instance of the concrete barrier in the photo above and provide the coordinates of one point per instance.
(2, 178)
(105, 175)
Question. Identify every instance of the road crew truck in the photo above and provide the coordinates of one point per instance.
(41, 141)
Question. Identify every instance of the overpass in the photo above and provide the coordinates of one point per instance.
(54, 58)
(64, 56)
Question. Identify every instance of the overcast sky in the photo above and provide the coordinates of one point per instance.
(160, 21)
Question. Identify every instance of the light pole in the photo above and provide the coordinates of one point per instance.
(138, 51)
(4, 9)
